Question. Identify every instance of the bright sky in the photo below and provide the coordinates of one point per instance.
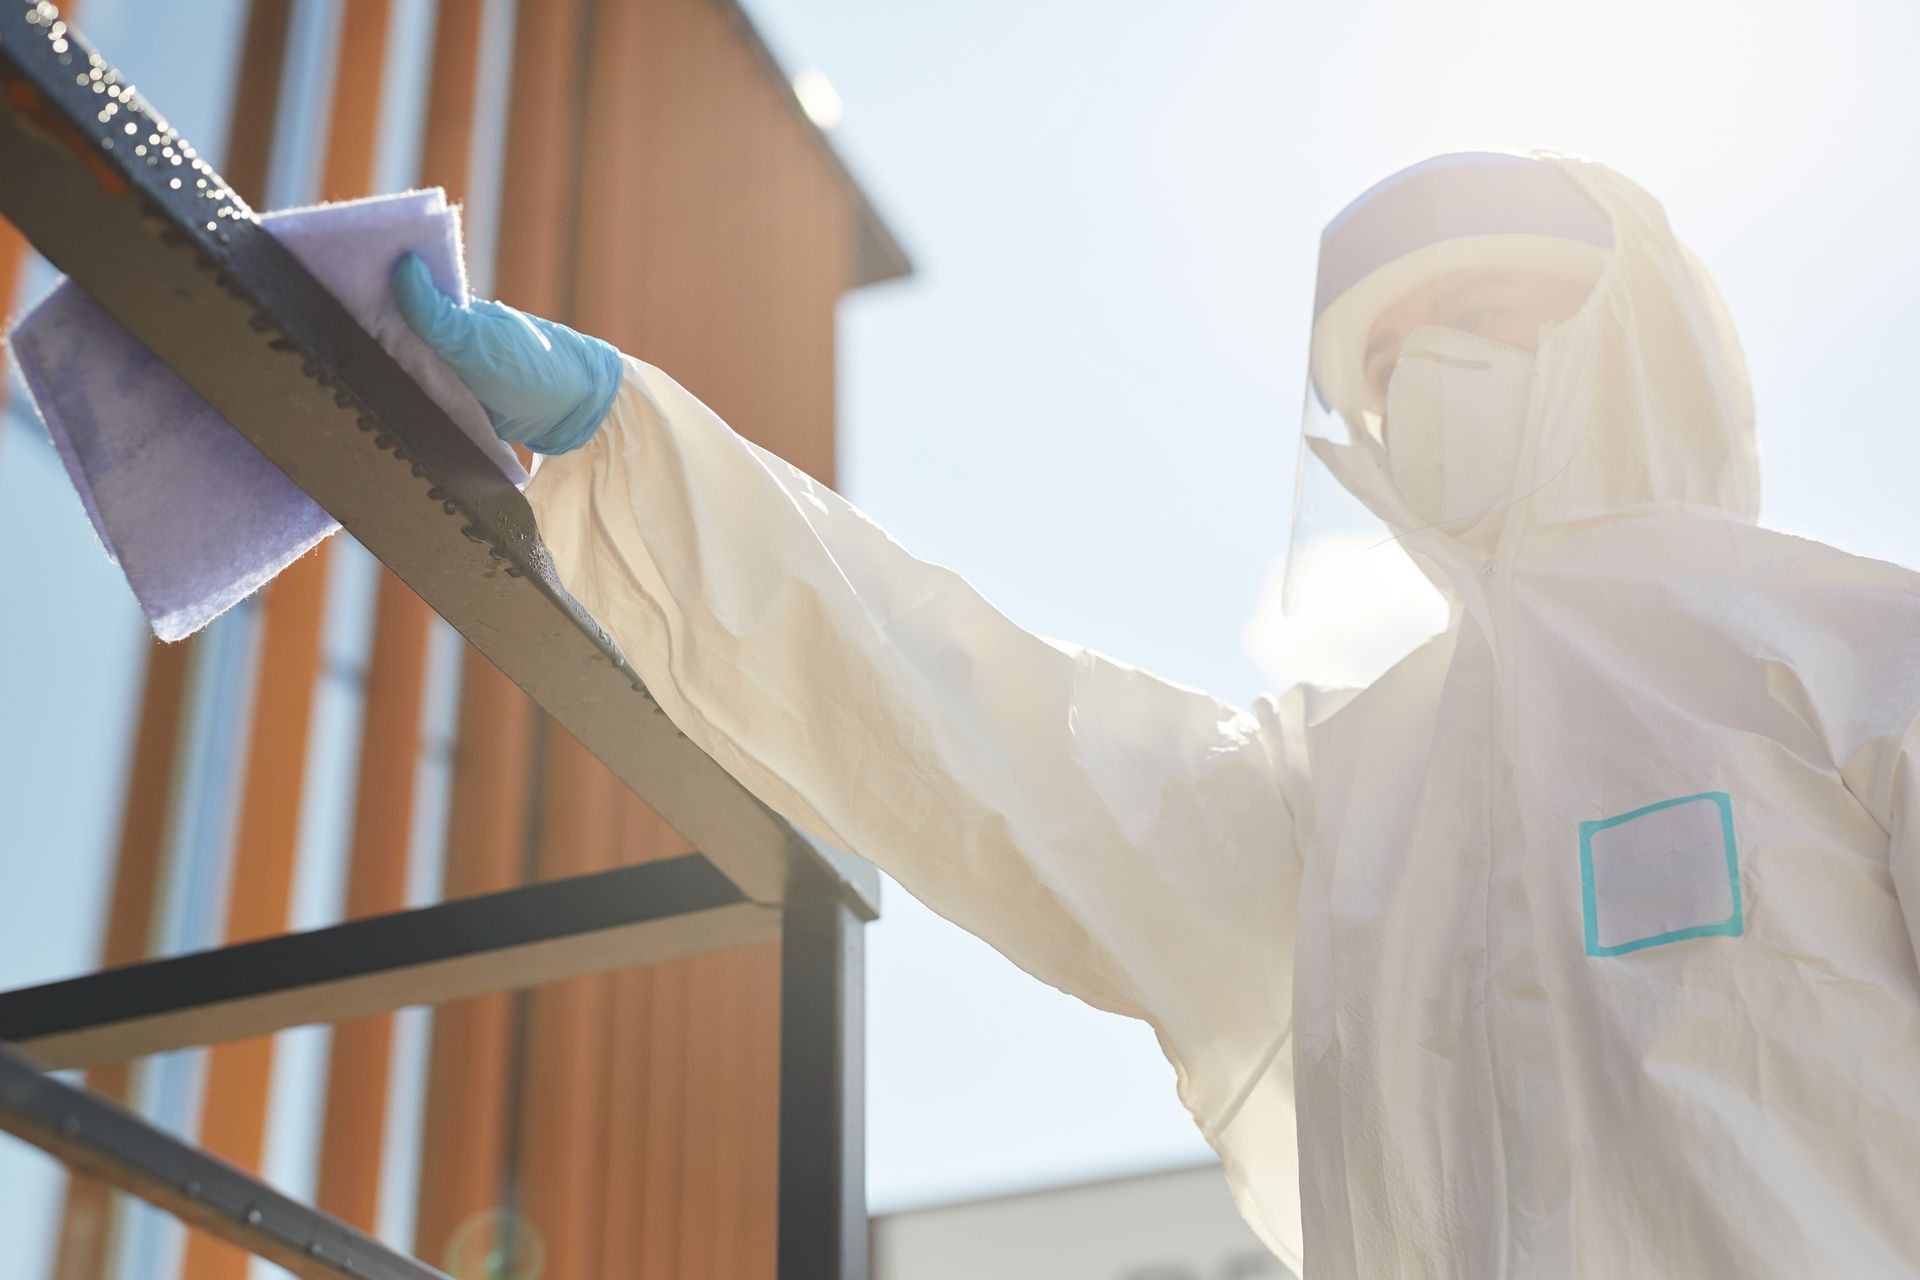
(1086, 398)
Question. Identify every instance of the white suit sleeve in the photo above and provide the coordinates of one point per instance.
(1117, 836)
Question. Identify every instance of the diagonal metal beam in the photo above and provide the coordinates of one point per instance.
(94, 1136)
(495, 942)
(191, 273)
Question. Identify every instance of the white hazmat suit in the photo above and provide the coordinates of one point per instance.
(1579, 942)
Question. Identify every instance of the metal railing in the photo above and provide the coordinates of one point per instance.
(191, 273)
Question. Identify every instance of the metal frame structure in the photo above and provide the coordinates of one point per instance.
(90, 176)
(94, 1136)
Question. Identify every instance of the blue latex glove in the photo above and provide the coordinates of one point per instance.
(542, 384)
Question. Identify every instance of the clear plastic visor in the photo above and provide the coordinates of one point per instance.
(1420, 432)
(1422, 426)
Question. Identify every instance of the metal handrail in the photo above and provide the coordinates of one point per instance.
(191, 273)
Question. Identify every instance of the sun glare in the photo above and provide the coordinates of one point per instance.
(818, 98)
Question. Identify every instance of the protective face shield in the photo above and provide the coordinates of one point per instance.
(1421, 432)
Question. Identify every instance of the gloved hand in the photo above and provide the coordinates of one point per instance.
(542, 384)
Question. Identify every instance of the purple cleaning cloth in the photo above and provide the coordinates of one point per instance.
(194, 515)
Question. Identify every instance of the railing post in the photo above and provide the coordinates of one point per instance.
(823, 1136)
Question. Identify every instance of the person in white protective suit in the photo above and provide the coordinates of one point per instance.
(1578, 941)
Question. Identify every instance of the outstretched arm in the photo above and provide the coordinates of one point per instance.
(1120, 837)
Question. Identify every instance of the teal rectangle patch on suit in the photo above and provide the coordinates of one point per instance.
(1661, 873)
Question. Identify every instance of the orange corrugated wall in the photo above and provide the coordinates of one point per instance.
(86, 1214)
(468, 1130)
(661, 192)
(671, 201)
(714, 241)
(359, 1061)
(557, 1135)
(239, 1075)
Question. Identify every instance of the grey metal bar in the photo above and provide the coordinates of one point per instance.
(192, 274)
(495, 942)
(94, 1136)
(822, 1212)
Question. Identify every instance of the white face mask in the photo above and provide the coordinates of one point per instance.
(1456, 422)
